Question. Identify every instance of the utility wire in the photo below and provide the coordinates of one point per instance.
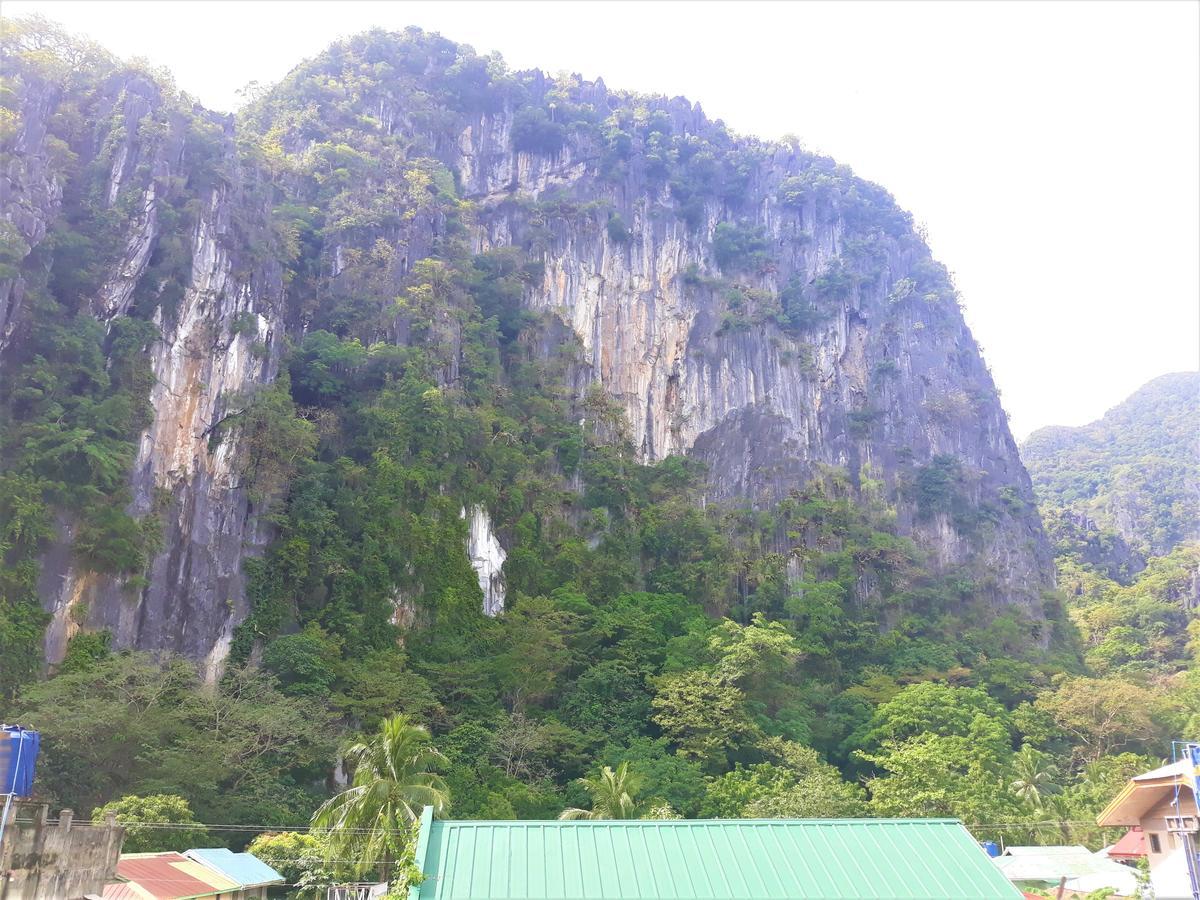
(1046, 823)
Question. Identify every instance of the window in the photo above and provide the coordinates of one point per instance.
(1155, 846)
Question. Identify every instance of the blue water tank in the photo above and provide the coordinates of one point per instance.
(18, 755)
(990, 848)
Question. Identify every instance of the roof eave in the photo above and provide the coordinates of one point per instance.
(426, 826)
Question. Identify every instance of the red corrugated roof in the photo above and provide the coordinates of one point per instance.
(1131, 846)
(120, 890)
(158, 876)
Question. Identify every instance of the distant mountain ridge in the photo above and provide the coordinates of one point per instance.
(1126, 485)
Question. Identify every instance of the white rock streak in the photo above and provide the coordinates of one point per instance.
(487, 558)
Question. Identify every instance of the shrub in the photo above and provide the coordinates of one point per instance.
(141, 815)
(737, 246)
(618, 231)
(534, 132)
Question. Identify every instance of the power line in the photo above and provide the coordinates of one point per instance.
(1047, 823)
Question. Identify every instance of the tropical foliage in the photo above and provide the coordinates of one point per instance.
(612, 793)
(661, 653)
(394, 780)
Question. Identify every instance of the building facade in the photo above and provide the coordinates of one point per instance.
(1162, 802)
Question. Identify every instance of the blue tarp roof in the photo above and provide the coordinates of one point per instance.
(244, 868)
(18, 756)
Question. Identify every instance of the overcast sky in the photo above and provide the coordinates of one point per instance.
(1052, 150)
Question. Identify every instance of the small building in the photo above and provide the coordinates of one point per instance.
(168, 876)
(252, 874)
(1042, 867)
(1148, 801)
(682, 859)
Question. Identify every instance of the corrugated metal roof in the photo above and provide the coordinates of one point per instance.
(733, 859)
(244, 868)
(1051, 863)
(1132, 845)
(125, 890)
(170, 876)
(1181, 767)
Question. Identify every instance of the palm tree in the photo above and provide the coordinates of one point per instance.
(394, 779)
(1035, 776)
(612, 795)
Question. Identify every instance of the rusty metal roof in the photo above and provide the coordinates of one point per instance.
(166, 876)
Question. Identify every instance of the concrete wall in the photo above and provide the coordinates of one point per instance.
(63, 860)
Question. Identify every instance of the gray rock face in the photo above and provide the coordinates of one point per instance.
(30, 195)
(889, 380)
(885, 381)
(194, 593)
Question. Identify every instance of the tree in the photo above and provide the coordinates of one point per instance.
(306, 663)
(380, 684)
(275, 440)
(730, 793)
(519, 747)
(90, 719)
(1102, 714)
(701, 714)
(757, 658)
(937, 775)
(612, 792)
(535, 636)
(610, 698)
(817, 790)
(796, 783)
(394, 779)
(236, 751)
(933, 708)
(139, 815)
(662, 811)
(300, 859)
(1034, 776)
(666, 776)
(821, 795)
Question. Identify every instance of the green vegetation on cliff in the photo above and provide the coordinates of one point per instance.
(1133, 474)
(808, 656)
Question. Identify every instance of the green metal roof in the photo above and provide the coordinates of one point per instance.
(686, 859)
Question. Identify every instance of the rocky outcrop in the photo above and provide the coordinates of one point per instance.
(487, 558)
(888, 380)
(870, 370)
(31, 186)
(192, 595)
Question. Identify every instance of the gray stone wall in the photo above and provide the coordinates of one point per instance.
(64, 860)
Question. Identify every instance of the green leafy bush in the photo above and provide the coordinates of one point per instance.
(533, 131)
(739, 247)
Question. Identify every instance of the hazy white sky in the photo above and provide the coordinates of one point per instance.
(1051, 149)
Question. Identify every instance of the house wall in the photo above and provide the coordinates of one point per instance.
(43, 859)
(1154, 823)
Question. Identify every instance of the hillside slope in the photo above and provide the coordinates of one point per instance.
(416, 335)
(1128, 484)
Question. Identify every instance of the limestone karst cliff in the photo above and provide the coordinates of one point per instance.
(681, 291)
